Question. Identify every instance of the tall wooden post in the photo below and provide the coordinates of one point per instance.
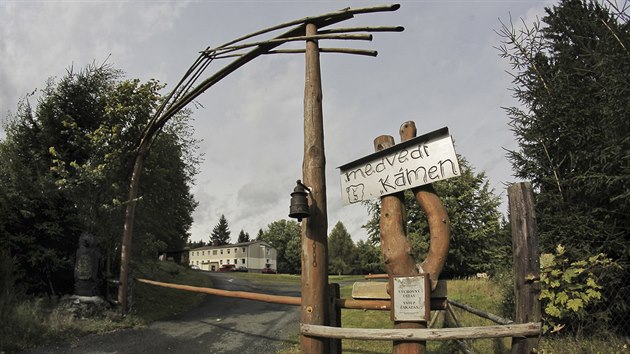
(526, 262)
(314, 308)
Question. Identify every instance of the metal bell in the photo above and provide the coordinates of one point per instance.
(299, 204)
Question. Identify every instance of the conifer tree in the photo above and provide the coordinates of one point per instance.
(221, 232)
(243, 237)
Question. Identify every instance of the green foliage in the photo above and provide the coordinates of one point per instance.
(571, 76)
(7, 285)
(66, 166)
(368, 258)
(569, 288)
(341, 251)
(284, 236)
(479, 241)
(220, 233)
(195, 244)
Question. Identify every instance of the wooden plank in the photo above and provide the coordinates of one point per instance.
(526, 262)
(440, 334)
(370, 290)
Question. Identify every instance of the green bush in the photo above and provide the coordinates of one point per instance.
(571, 289)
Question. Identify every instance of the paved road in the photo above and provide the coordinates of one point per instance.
(219, 325)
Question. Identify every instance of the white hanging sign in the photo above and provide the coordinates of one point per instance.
(422, 160)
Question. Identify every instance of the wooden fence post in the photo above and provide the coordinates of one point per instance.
(526, 262)
(335, 317)
(314, 309)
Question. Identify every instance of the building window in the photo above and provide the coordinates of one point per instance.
(221, 262)
(235, 250)
(202, 252)
(221, 251)
(228, 251)
(243, 249)
(243, 261)
(235, 261)
(214, 252)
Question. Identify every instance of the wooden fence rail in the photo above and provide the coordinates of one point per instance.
(522, 330)
(486, 315)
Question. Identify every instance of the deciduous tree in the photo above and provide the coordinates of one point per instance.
(368, 258)
(341, 250)
(66, 163)
(284, 236)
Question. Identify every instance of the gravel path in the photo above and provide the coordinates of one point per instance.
(219, 325)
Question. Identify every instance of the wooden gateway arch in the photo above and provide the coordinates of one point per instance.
(240, 51)
(320, 303)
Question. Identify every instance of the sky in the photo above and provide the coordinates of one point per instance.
(442, 71)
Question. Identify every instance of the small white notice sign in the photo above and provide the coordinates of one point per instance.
(410, 298)
(422, 160)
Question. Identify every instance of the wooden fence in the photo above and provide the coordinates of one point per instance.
(525, 330)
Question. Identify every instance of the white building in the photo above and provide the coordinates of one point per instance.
(254, 255)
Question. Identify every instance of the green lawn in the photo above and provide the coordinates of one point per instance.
(478, 293)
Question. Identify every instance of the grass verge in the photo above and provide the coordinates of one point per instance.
(39, 321)
(481, 294)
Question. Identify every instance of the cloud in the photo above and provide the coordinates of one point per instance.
(441, 71)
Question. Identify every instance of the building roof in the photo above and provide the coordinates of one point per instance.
(242, 244)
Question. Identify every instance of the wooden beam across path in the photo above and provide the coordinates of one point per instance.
(344, 303)
(276, 299)
(515, 330)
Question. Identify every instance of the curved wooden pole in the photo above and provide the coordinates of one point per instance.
(395, 246)
(437, 218)
(396, 250)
